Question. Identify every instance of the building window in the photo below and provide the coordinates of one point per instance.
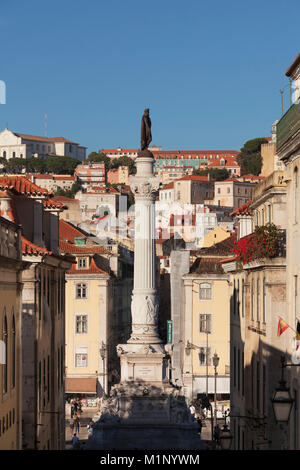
(258, 386)
(81, 357)
(243, 298)
(82, 263)
(296, 181)
(81, 323)
(269, 213)
(14, 154)
(252, 300)
(13, 353)
(263, 216)
(234, 366)
(258, 299)
(205, 291)
(205, 356)
(5, 341)
(205, 322)
(264, 301)
(48, 378)
(81, 291)
(4, 154)
(296, 295)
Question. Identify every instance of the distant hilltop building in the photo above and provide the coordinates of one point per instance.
(195, 159)
(90, 173)
(16, 145)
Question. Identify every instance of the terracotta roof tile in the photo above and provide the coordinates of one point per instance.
(21, 185)
(242, 210)
(66, 247)
(68, 233)
(29, 248)
(92, 269)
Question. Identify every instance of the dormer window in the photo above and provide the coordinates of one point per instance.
(82, 263)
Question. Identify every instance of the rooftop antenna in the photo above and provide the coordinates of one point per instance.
(45, 123)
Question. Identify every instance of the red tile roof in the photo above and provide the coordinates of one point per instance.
(68, 233)
(66, 247)
(193, 178)
(65, 199)
(243, 209)
(168, 186)
(21, 185)
(92, 269)
(53, 204)
(43, 139)
(293, 66)
(29, 248)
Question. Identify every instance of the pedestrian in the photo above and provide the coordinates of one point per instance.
(72, 411)
(75, 406)
(75, 442)
(199, 421)
(71, 426)
(217, 432)
(192, 408)
(77, 424)
(90, 428)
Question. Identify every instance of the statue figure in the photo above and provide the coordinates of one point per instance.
(146, 136)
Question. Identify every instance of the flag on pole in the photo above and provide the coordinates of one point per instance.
(282, 326)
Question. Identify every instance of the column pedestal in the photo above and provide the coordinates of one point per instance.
(144, 411)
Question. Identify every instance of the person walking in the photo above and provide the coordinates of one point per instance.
(90, 428)
(77, 424)
(72, 426)
(199, 421)
(75, 442)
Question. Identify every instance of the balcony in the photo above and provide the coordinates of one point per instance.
(288, 129)
(274, 180)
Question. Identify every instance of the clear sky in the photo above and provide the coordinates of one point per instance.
(210, 71)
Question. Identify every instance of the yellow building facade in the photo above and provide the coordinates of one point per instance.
(10, 336)
(207, 331)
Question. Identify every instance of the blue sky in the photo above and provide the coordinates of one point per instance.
(210, 72)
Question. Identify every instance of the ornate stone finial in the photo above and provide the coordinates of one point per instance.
(146, 136)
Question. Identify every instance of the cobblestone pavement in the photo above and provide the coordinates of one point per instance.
(90, 413)
(86, 415)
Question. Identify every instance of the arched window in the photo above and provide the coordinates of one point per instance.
(14, 155)
(4, 154)
(13, 352)
(205, 291)
(5, 341)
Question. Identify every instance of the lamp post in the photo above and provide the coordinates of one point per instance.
(103, 357)
(282, 401)
(225, 436)
(215, 364)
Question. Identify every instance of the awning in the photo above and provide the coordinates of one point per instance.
(81, 385)
(223, 385)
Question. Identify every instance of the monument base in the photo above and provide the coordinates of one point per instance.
(145, 416)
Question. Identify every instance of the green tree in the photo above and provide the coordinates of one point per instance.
(15, 165)
(249, 157)
(217, 174)
(124, 161)
(100, 157)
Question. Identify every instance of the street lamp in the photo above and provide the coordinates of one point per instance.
(103, 356)
(282, 401)
(215, 364)
(225, 436)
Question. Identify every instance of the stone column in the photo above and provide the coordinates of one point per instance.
(144, 305)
